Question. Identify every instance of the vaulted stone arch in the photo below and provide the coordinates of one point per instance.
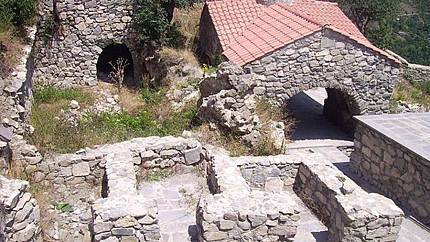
(70, 56)
(363, 77)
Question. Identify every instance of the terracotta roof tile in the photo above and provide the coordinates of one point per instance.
(248, 30)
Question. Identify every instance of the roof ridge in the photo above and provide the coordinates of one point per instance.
(300, 15)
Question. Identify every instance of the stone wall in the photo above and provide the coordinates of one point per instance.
(83, 29)
(20, 212)
(237, 213)
(324, 59)
(210, 49)
(397, 171)
(350, 213)
(417, 73)
(124, 214)
(15, 97)
(266, 173)
(88, 165)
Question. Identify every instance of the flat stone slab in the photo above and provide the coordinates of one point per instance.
(411, 130)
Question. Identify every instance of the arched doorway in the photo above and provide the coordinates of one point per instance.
(112, 58)
(322, 113)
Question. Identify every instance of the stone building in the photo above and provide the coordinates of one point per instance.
(77, 41)
(281, 48)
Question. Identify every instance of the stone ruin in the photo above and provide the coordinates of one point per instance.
(261, 199)
(19, 212)
(358, 81)
(252, 198)
(82, 33)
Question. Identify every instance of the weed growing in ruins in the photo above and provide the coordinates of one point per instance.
(156, 175)
(62, 207)
(208, 70)
(118, 72)
(51, 94)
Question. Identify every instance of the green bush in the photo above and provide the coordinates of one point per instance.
(16, 13)
(153, 24)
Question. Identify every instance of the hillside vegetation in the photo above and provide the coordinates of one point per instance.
(14, 16)
(402, 26)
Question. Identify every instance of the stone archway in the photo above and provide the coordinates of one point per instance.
(340, 108)
(110, 58)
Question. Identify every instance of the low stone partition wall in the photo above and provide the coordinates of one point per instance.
(269, 173)
(417, 73)
(256, 216)
(124, 214)
(235, 212)
(128, 218)
(392, 152)
(19, 212)
(350, 213)
(244, 185)
(87, 165)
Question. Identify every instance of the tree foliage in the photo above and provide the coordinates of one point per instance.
(154, 22)
(364, 12)
(16, 13)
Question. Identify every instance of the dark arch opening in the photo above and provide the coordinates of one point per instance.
(322, 114)
(340, 109)
(109, 58)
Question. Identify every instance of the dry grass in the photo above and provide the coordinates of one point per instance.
(179, 55)
(268, 114)
(129, 99)
(228, 142)
(10, 51)
(42, 194)
(413, 92)
(188, 20)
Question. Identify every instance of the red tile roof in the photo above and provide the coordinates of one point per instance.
(230, 17)
(248, 30)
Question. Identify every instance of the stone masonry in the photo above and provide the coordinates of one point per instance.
(124, 215)
(324, 59)
(235, 212)
(19, 210)
(80, 33)
(392, 152)
(350, 213)
(87, 165)
(418, 73)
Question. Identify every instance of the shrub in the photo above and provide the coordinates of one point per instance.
(153, 24)
(16, 13)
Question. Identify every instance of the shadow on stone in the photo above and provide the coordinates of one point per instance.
(321, 236)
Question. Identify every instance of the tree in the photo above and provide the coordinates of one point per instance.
(363, 12)
(153, 23)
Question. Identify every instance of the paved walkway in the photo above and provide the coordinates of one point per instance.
(177, 199)
(411, 130)
(313, 127)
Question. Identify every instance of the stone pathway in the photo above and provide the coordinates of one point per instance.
(177, 199)
(313, 127)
